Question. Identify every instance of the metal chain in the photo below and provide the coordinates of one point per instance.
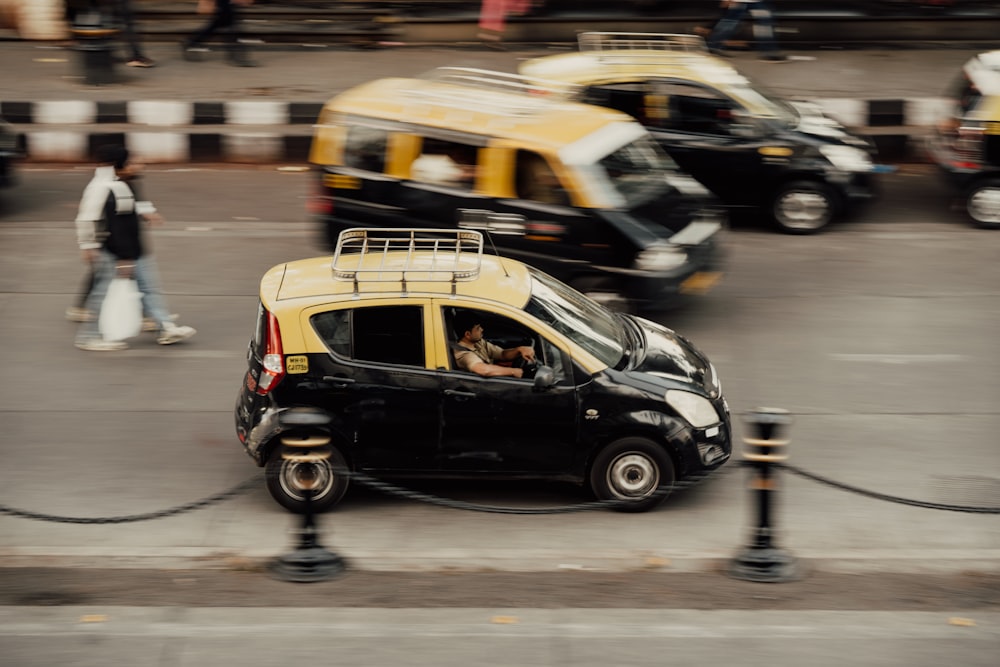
(883, 496)
(128, 518)
(431, 499)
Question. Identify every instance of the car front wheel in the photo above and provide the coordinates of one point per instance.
(286, 478)
(983, 204)
(634, 471)
(803, 207)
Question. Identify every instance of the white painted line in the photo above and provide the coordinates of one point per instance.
(160, 112)
(256, 112)
(65, 112)
(901, 358)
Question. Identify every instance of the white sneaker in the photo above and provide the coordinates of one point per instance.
(149, 325)
(77, 314)
(174, 334)
(101, 345)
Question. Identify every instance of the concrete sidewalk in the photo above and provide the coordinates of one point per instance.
(185, 111)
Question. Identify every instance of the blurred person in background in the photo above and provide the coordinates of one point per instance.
(122, 11)
(118, 250)
(733, 13)
(493, 17)
(225, 14)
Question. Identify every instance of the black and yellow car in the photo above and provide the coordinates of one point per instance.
(354, 352)
(9, 152)
(752, 149)
(579, 191)
(966, 144)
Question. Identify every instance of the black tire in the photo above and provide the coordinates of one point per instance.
(635, 470)
(803, 207)
(982, 203)
(332, 485)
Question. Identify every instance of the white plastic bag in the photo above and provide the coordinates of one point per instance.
(121, 312)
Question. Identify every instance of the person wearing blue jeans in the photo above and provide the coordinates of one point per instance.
(121, 252)
(735, 11)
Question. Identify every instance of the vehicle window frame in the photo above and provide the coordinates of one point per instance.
(415, 339)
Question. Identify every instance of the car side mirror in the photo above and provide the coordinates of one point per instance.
(545, 378)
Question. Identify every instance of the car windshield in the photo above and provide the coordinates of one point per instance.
(754, 96)
(585, 322)
(620, 166)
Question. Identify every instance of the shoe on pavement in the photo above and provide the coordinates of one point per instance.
(141, 61)
(775, 58)
(77, 314)
(174, 334)
(192, 53)
(101, 345)
(149, 325)
(242, 61)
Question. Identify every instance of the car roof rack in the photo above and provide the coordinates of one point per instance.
(396, 256)
(494, 92)
(619, 45)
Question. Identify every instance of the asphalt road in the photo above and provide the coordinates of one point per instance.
(879, 337)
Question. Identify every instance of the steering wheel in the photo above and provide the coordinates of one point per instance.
(528, 368)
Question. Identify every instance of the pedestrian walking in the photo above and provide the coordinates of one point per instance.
(225, 16)
(122, 10)
(118, 249)
(493, 17)
(734, 12)
(91, 233)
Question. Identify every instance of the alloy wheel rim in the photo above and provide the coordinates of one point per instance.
(803, 210)
(633, 476)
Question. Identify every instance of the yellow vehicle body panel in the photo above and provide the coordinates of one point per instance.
(295, 291)
(636, 65)
(544, 125)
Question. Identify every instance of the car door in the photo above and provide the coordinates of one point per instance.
(377, 380)
(504, 425)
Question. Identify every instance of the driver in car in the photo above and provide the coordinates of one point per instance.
(475, 354)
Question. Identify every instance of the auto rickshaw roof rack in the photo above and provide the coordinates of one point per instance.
(398, 256)
(473, 89)
(625, 45)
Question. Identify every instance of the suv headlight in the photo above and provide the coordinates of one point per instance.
(847, 158)
(697, 410)
(660, 258)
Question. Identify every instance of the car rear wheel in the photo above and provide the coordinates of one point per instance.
(286, 478)
(634, 471)
(803, 207)
(983, 204)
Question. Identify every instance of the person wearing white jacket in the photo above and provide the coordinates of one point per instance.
(118, 249)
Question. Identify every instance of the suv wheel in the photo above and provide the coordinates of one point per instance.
(282, 476)
(634, 470)
(803, 207)
(983, 204)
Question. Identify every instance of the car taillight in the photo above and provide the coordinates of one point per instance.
(320, 203)
(274, 361)
(968, 144)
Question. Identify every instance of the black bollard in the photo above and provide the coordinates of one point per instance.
(95, 46)
(762, 560)
(310, 561)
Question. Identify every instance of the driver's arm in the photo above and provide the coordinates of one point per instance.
(492, 370)
(525, 351)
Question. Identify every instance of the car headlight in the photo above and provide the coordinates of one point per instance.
(847, 158)
(697, 410)
(660, 258)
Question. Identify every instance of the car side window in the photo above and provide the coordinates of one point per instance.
(690, 108)
(536, 180)
(365, 148)
(497, 329)
(382, 334)
(445, 163)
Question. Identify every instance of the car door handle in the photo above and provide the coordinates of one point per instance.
(459, 394)
(338, 380)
